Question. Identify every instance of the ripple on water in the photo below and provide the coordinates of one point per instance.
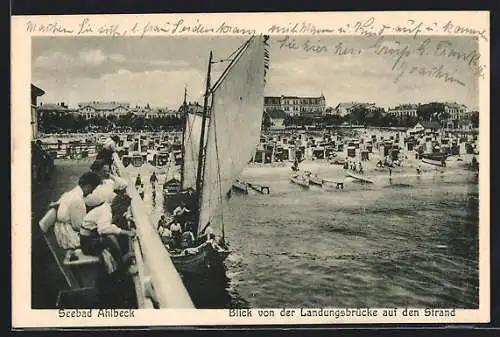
(362, 246)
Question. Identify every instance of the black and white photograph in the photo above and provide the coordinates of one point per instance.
(280, 168)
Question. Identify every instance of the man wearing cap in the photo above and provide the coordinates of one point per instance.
(120, 207)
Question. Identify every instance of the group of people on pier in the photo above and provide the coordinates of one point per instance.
(139, 185)
(177, 230)
(95, 218)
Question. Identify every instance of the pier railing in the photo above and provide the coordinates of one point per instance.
(158, 278)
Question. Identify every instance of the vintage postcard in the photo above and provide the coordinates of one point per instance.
(250, 169)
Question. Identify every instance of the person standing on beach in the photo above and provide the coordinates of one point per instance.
(153, 179)
(140, 190)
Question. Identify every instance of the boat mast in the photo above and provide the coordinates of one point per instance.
(184, 115)
(202, 149)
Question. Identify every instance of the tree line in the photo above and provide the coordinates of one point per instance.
(57, 123)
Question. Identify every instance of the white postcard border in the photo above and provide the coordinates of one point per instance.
(471, 23)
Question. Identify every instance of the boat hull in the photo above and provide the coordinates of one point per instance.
(316, 181)
(435, 159)
(303, 182)
(432, 162)
(203, 260)
(359, 178)
(434, 156)
(240, 187)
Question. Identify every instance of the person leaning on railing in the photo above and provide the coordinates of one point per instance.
(120, 209)
(71, 211)
(109, 183)
(97, 233)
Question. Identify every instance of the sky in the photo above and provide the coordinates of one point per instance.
(155, 70)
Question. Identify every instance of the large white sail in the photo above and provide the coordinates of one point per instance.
(192, 135)
(234, 127)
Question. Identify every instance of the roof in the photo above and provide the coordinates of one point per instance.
(303, 97)
(353, 104)
(36, 90)
(52, 107)
(405, 106)
(454, 105)
(430, 125)
(104, 105)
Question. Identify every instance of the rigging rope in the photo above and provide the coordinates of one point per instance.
(228, 58)
(219, 177)
(192, 156)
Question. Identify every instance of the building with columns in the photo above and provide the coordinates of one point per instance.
(404, 110)
(296, 105)
(103, 109)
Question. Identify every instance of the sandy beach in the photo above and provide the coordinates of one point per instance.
(455, 165)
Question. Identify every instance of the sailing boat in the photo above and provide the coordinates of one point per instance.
(217, 146)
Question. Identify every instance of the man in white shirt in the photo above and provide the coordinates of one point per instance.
(179, 212)
(176, 230)
(106, 189)
(165, 235)
(98, 232)
(71, 211)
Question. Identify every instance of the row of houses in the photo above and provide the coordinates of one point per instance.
(105, 109)
(304, 105)
(278, 107)
(452, 115)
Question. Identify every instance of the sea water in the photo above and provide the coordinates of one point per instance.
(408, 241)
